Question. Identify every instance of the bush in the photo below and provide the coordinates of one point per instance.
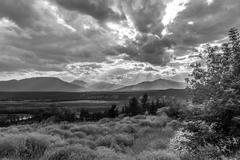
(9, 146)
(61, 133)
(104, 120)
(174, 124)
(127, 128)
(76, 152)
(139, 117)
(34, 148)
(66, 126)
(25, 147)
(124, 139)
(87, 142)
(104, 153)
(157, 155)
(79, 134)
(91, 129)
(205, 153)
(161, 143)
(155, 122)
(106, 141)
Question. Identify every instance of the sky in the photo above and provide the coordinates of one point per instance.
(115, 41)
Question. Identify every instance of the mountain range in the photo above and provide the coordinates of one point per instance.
(159, 84)
(47, 84)
(43, 84)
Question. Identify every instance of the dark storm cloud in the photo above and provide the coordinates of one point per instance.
(145, 14)
(98, 9)
(16, 59)
(19, 11)
(149, 48)
(153, 50)
(54, 51)
(209, 22)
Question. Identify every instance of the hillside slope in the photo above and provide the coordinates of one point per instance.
(38, 84)
(160, 84)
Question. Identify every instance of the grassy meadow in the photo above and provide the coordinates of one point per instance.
(128, 138)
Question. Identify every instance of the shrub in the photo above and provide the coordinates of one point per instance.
(104, 153)
(87, 142)
(66, 126)
(91, 129)
(9, 146)
(155, 122)
(127, 128)
(205, 153)
(34, 148)
(139, 117)
(76, 152)
(124, 139)
(61, 133)
(174, 124)
(106, 141)
(25, 147)
(179, 141)
(104, 120)
(79, 134)
(13, 130)
(157, 155)
(160, 143)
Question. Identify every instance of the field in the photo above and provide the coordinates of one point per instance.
(129, 138)
(69, 96)
(28, 102)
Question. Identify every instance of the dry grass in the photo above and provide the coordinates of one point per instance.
(129, 138)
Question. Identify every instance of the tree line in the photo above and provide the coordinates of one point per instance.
(142, 105)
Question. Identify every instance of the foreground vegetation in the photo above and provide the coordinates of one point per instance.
(129, 138)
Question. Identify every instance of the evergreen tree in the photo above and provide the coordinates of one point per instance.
(158, 103)
(153, 109)
(84, 114)
(134, 106)
(113, 112)
(144, 102)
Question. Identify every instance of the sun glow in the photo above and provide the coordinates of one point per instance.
(209, 2)
(124, 31)
(171, 12)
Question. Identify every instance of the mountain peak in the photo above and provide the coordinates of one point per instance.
(159, 84)
(79, 82)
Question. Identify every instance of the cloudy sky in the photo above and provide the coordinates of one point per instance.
(117, 41)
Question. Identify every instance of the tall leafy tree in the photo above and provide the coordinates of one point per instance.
(215, 83)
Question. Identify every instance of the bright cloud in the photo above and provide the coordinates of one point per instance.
(119, 69)
(209, 2)
(124, 31)
(172, 10)
(55, 12)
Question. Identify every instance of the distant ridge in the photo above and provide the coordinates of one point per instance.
(79, 83)
(42, 84)
(159, 84)
(53, 84)
(102, 86)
